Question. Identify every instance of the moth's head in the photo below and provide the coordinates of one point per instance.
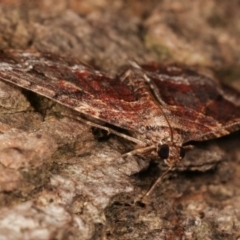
(171, 153)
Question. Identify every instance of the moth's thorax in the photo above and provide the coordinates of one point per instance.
(153, 133)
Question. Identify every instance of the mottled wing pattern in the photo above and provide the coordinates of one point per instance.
(75, 85)
(198, 104)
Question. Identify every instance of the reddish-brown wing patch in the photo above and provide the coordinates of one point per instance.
(199, 104)
(196, 107)
(77, 86)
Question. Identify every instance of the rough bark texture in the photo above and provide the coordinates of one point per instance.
(44, 191)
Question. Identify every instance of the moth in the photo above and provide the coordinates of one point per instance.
(162, 107)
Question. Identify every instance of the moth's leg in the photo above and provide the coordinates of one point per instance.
(139, 151)
(107, 129)
(188, 147)
(131, 153)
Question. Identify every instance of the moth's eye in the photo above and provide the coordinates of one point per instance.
(182, 152)
(163, 151)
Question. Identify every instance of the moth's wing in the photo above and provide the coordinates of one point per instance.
(196, 107)
(73, 84)
(200, 108)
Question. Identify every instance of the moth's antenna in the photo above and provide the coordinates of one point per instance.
(153, 87)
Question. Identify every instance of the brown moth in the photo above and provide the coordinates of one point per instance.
(163, 108)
